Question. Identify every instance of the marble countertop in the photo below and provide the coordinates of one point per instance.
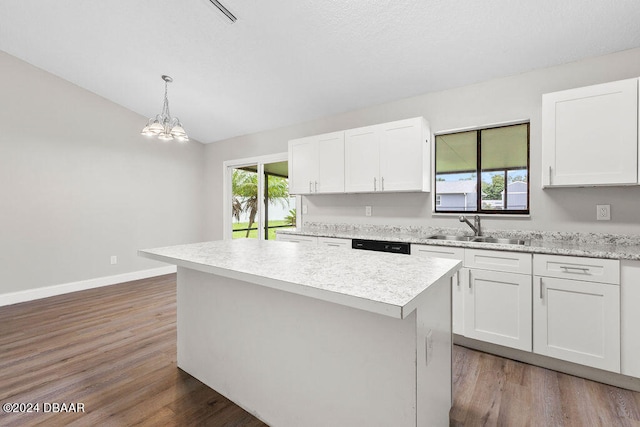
(383, 283)
(593, 245)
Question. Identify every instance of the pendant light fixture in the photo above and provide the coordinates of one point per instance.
(163, 126)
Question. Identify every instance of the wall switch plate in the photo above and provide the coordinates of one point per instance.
(367, 210)
(304, 209)
(603, 212)
(114, 259)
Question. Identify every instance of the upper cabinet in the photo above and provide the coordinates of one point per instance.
(388, 157)
(316, 164)
(590, 135)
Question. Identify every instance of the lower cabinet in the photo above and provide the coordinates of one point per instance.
(576, 310)
(497, 308)
(629, 318)
(457, 290)
(577, 321)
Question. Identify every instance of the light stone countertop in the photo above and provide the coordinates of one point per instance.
(595, 245)
(374, 281)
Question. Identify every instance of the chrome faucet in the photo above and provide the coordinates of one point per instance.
(477, 230)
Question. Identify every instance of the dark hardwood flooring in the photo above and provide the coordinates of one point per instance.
(113, 349)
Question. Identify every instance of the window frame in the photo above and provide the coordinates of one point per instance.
(479, 171)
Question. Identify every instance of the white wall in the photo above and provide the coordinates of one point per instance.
(501, 100)
(78, 183)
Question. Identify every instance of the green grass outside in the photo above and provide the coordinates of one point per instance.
(253, 234)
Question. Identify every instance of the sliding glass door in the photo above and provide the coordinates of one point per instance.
(258, 198)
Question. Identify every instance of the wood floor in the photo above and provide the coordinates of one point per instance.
(113, 350)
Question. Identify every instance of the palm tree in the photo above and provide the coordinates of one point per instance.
(244, 187)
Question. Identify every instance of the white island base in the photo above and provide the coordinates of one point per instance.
(292, 360)
(311, 336)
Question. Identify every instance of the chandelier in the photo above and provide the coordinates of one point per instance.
(163, 126)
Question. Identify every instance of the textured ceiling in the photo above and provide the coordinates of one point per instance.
(289, 61)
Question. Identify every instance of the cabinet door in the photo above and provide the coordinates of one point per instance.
(590, 135)
(303, 165)
(361, 161)
(459, 284)
(497, 308)
(404, 163)
(577, 321)
(330, 163)
(629, 318)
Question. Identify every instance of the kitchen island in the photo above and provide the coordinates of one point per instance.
(316, 336)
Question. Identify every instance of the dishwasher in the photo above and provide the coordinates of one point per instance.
(381, 246)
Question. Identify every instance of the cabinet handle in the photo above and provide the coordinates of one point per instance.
(310, 188)
(458, 279)
(335, 245)
(580, 270)
(374, 183)
(316, 186)
(382, 183)
(469, 279)
(550, 175)
(541, 290)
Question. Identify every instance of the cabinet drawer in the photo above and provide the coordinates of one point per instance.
(513, 262)
(335, 242)
(438, 251)
(577, 268)
(297, 239)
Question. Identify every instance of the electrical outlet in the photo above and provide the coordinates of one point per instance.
(367, 210)
(114, 259)
(603, 212)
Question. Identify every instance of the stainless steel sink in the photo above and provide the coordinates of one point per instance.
(480, 239)
(485, 239)
(452, 238)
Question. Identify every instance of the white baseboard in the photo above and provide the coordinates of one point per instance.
(65, 288)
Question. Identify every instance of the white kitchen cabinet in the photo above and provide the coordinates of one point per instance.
(334, 242)
(576, 310)
(577, 321)
(630, 318)
(305, 240)
(497, 308)
(590, 135)
(458, 284)
(388, 157)
(497, 297)
(303, 158)
(316, 164)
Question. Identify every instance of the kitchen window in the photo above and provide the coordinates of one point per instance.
(483, 171)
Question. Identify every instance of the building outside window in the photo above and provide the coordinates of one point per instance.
(493, 160)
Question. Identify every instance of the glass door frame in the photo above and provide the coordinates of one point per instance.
(227, 169)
